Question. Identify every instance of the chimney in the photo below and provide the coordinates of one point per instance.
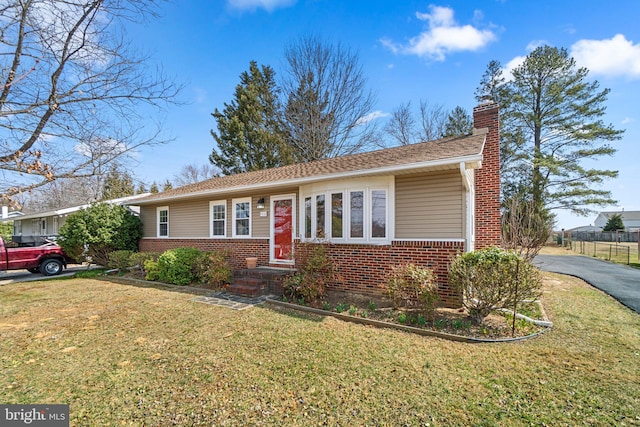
(487, 178)
(5, 212)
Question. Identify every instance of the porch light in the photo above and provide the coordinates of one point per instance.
(260, 204)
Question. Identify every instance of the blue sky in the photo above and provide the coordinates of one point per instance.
(410, 50)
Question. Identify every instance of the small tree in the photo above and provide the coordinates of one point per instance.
(614, 223)
(94, 232)
(6, 231)
(525, 229)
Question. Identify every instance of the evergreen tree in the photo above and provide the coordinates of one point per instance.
(154, 188)
(458, 123)
(117, 184)
(250, 132)
(614, 223)
(551, 120)
(167, 185)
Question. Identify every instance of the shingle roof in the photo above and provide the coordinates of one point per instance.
(420, 154)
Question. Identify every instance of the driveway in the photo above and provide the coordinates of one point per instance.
(14, 276)
(620, 281)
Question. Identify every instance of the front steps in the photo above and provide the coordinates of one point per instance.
(258, 281)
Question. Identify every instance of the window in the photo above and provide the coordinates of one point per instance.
(378, 213)
(320, 216)
(307, 217)
(336, 215)
(218, 211)
(163, 221)
(356, 219)
(242, 217)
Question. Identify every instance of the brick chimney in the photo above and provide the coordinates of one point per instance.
(487, 179)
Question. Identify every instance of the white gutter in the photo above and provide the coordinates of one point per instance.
(474, 161)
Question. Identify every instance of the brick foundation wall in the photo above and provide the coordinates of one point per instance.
(487, 178)
(363, 268)
(240, 248)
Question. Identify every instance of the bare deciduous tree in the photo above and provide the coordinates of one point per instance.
(327, 103)
(406, 128)
(433, 120)
(72, 89)
(402, 125)
(190, 174)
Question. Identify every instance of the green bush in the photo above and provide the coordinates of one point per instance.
(120, 259)
(176, 265)
(139, 258)
(316, 269)
(152, 270)
(212, 268)
(93, 233)
(411, 285)
(493, 278)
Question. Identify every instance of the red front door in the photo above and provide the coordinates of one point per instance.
(282, 248)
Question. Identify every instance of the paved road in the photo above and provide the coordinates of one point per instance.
(619, 281)
(8, 277)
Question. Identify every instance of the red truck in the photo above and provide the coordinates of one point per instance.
(48, 259)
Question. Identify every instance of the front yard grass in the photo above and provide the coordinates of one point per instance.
(126, 355)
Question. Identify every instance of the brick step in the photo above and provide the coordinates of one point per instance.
(247, 286)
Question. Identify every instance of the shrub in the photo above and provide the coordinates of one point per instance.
(138, 259)
(213, 268)
(152, 270)
(93, 233)
(315, 270)
(411, 285)
(493, 278)
(120, 259)
(176, 265)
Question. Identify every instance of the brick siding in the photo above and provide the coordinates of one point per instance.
(487, 215)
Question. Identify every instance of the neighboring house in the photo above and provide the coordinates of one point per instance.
(421, 203)
(9, 215)
(35, 229)
(630, 219)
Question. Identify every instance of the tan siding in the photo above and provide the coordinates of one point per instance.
(430, 206)
(191, 219)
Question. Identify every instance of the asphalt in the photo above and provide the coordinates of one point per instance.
(14, 276)
(620, 281)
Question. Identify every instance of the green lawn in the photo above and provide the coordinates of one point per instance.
(126, 355)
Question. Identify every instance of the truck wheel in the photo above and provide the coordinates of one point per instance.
(33, 270)
(51, 267)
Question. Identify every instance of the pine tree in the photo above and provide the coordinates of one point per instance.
(614, 223)
(551, 123)
(250, 132)
(117, 184)
(458, 123)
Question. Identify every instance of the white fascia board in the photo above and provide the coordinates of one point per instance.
(472, 162)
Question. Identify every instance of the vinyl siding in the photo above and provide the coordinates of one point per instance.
(430, 206)
(190, 219)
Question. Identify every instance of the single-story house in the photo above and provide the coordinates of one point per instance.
(7, 214)
(630, 219)
(420, 203)
(36, 228)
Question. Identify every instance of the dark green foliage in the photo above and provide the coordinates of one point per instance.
(614, 223)
(117, 184)
(120, 260)
(551, 126)
(493, 278)
(212, 268)
(250, 134)
(176, 266)
(316, 269)
(459, 123)
(94, 232)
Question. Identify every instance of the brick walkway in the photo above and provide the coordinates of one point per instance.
(235, 302)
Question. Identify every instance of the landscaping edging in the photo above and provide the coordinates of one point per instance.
(404, 328)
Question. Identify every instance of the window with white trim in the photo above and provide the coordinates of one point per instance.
(242, 217)
(218, 218)
(163, 221)
(359, 212)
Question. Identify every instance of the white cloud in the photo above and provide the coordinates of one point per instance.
(252, 5)
(512, 65)
(628, 120)
(534, 44)
(371, 116)
(609, 57)
(442, 36)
